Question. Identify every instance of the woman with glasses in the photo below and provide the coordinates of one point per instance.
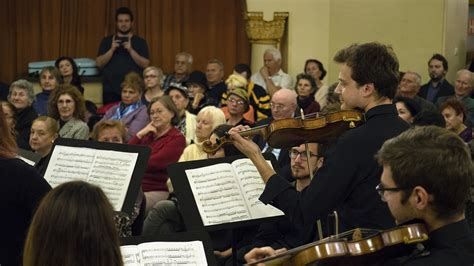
(153, 77)
(237, 106)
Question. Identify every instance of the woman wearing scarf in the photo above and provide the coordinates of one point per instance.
(130, 111)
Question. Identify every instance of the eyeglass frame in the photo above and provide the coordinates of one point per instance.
(381, 190)
(301, 154)
(235, 101)
(277, 106)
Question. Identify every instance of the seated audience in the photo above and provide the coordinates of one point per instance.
(316, 69)
(73, 226)
(407, 108)
(44, 131)
(22, 96)
(10, 115)
(50, 78)
(21, 189)
(237, 106)
(183, 65)
(214, 76)
(306, 88)
(130, 111)
(428, 117)
(187, 121)
(109, 131)
(153, 78)
(166, 143)
(236, 81)
(199, 92)
(69, 72)
(66, 105)
(454, 115)
(409, 87)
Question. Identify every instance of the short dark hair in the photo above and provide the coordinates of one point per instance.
(441, 58)
(443, 161)
(320, 66)
(309, 78)
(123, 11)
(412, 106)
(372, 63)
(166, 101)
(241, 68)
(429, 118)
(457, 106)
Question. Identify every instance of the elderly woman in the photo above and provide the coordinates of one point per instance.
(44, 131)
(166, 143)
(131, 110)
(153, 77)
(316, 69)
(109, 131)
(66, 105)
(50, 78)
(187, 124)
(454, 114)
(69, 72)
(305, 88)
(22, 96)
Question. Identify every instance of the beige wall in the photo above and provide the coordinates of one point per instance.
(415, 29)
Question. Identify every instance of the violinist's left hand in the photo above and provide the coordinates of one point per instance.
(261, 253)
(246, 146)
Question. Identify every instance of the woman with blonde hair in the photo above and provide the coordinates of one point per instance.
(44, 131)
(153, 77)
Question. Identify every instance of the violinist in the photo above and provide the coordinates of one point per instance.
(432, 186)
(368, 79)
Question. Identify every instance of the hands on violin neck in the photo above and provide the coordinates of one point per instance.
(260, 253)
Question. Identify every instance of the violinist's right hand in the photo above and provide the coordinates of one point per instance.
(260, 253)
(246, 146)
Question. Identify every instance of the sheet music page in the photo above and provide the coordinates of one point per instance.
(252, 187)
(110, 170)
(217, 194)
(172, 253)
(130, 255)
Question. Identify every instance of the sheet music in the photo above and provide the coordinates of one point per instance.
(110, 170)
(165, 253)
(252, 187)
(217, 194)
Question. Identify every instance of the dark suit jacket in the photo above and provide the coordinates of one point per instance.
(446, 89)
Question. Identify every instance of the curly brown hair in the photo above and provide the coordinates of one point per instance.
(80, 106)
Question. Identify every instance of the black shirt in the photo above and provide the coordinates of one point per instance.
(347, 180)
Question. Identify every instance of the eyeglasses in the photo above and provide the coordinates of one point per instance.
(235, 101)
(65, 101)
(150, 76)
(381, 190)
(277, 106)
(303, 156)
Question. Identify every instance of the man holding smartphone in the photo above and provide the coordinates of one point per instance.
(120, 54)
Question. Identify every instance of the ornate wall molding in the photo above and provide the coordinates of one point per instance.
(265, 32)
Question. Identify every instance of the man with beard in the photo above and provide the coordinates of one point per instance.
(438, 86)
(120, 54)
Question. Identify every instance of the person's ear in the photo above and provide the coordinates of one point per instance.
(421, 198)
(320, 162)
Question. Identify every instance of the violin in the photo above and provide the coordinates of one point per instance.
(358, 250)
(290, 132)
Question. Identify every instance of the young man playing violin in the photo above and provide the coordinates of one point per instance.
(368, 80)
(432, 186)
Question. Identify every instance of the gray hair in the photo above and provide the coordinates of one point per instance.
(217, 62)
(274, 52)
(417, 76)
(188, 56)
(159, 72)
(466, 72)
(24, 85)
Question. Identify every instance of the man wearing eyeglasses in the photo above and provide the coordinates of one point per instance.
(432, 186)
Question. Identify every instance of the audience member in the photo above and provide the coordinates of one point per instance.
(187, 121)
(271, 77)
(130, 111)
(120, 54)
(235, 81)
(199, 94)
(166, 143)
(438, 86)
(237, 106)
(44, 131)
(22, 96)
(316, 69)
(21, 189)
(427, 118)
(305, 89)
(66, 105)
(73, 226)
(69, 72)
(50, 78)
(109, 131)
(454, 115)
(214, 76)
(11, 116)
(183, 65)
(407, 108)
(153, 77)
(409, 87)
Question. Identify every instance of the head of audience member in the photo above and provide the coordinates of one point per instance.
(407, 108)
(183, 64)
(429, 118)
(417, 187)
(409, 84)
(132, 89)
(226, 149)
(109, 131)
(206, 120)
(68, 69)
(50, 78)
(454, 114)
(299, 162)
(163, 113)
(9, 111)
(236, 81)
(305, 85)
(179, 94)
(73, 225)
(197, 84)
(21, 94)
(333, 99)
(368, 74)
(243, 70)
(123, 20)
(44, 131)
(8, 147)
(464, 83)
(65, 103)
(214, 72)
(283, 104)
(315, 68)
(238, 102)
(153, 77)
(437, 67)
(272, 60)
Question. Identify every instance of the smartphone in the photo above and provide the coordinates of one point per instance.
(121, 40)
